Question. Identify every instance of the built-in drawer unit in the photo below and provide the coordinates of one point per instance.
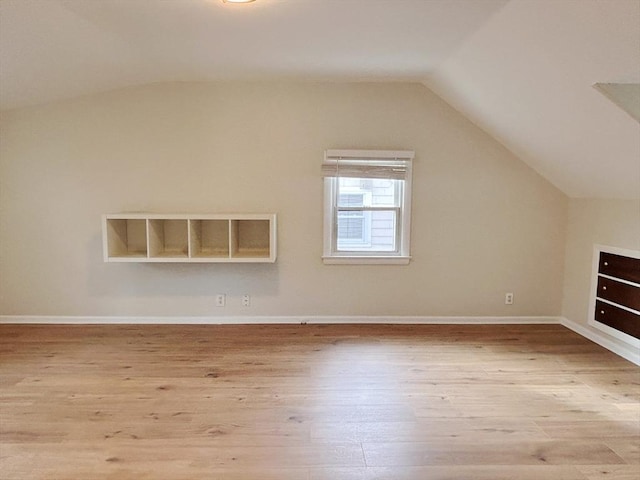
(615, 295)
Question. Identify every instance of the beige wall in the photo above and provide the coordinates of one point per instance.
(483, 222)
(615, 223)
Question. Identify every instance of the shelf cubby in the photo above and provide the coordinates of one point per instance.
(213, 238)
(209, 238)
(126, 238)
(250, 238)
(168, 238)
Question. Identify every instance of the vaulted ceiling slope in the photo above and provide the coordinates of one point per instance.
(53, 49)
(523, 70)
(527, 75)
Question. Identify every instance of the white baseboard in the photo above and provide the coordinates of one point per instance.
(628, 352)
(293, 319)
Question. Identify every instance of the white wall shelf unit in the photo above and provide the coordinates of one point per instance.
(190, 238)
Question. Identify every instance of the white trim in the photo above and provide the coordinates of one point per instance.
(405, 246)
(364, 260)
(625, 252)
(293, 319)
(625, 351)
(621, 307)
(328, 227)
(366, 154)
(619, 280)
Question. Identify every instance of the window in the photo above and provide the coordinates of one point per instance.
(367, 206)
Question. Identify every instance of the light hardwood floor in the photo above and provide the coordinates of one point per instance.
(314, 402)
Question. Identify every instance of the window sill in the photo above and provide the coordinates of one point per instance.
(362, 260)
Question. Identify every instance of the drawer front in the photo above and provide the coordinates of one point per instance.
(620, 293)
(618, 266)
(618, 318)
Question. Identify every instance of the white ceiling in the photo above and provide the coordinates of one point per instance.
(527, 75)
(523, 70)
(52, 49)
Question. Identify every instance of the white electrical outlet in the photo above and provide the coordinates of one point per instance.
(246, 300)
(508, 299)
(221, 300)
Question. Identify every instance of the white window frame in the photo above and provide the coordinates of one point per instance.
(331, 255)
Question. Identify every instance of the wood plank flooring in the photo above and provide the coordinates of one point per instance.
(314, 402)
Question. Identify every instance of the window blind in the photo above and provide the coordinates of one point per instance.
(392, 164)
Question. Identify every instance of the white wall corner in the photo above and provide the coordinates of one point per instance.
(628, 352)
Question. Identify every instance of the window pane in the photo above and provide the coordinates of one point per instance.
(368, 192)
(360, 231)
(351, 226)
(385, 193)
(351, 200)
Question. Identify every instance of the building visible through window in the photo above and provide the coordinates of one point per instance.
(367, 206)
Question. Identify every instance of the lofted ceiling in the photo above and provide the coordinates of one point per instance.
(528, 77)
(51, 49)
(523, 70)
